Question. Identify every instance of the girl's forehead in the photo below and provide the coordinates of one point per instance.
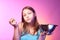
(26, 11)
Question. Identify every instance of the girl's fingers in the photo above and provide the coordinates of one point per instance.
(11, 21)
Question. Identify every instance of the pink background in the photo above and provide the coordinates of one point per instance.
(47, 11)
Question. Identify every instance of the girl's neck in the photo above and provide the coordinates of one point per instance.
(31, 24)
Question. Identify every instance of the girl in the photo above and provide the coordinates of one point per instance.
(29, 28)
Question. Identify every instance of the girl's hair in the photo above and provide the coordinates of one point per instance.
(35, 24)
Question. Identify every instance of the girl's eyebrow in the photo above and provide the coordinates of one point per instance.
(29, 12)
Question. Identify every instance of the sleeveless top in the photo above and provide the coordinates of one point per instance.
(27, 36)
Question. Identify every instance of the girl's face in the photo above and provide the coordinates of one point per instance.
(28, 15)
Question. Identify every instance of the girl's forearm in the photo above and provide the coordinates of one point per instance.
(16, 34)
(42, 37)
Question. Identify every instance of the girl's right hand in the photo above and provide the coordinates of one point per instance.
(13, 22)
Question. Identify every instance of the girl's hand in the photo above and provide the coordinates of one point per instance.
(43, 33)
(13, 22)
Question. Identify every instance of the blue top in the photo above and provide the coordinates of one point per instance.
(27, 36)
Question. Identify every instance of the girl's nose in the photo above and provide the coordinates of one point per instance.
(27, 16)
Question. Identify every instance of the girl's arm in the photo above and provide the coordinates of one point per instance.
(42, 36)
(17, 31)
(16, 34)
(17, 28)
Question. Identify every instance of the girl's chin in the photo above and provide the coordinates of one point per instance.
(28, 21)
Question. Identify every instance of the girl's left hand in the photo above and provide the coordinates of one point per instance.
(42, 35)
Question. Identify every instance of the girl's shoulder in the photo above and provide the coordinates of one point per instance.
(20, 26)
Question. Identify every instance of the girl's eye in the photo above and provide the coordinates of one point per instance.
(29, 13)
